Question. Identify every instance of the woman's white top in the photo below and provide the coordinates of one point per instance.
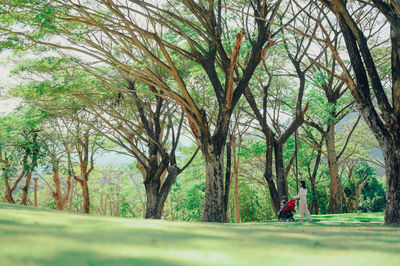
(302, 194)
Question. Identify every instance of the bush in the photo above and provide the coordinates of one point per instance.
(254, 203)
(189, 202)
(373, 195)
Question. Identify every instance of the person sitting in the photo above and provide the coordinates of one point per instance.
(283, 202)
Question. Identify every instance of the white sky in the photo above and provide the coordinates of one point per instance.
(7, 104)
(3, 74)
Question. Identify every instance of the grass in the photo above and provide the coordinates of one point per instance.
(31, 236)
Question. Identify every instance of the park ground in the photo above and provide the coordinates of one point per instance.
(30, 236)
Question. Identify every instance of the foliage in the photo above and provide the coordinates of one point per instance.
(254, 203)
(20, 138)
(374, 198)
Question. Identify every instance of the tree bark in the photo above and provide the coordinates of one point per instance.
(67, 193)
(280, 175)
(392, 166)
(111, 207)
(236, 176)
(117, 212)
(34, 160)
(25, 189)
(56, 180)
(213, 208)
(314, 203)
(153, 204)
(157, 193)
(228, 174)
(86, 164)
(9, 190)
(85, 195)
(144, 209)
(83, 181)
(335, 199)
(35, 200)
(392, 153)
(268, 175)
(9, 196)
(71, 197)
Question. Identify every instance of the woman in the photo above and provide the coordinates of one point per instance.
(303, 201)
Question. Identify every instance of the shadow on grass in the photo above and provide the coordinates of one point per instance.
(69, 258)
(362, 238)
(17, 207)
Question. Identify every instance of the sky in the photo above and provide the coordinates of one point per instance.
(8, 104)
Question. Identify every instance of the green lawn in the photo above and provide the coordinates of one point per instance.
(31, 236)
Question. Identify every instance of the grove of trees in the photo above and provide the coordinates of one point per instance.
(216, 107)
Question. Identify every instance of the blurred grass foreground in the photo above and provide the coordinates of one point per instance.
(30, 236)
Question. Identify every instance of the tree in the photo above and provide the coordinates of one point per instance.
(354, 186)
(275, 135)
(334, 108)
(20, 143)
(383, 119)
(59, 153)
(144, 127)
(136, 119)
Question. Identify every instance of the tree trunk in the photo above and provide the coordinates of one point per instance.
(358, 194)
(314, 203)
(280, 172)
(85, 195)
(103, 205)
(117, 212)
(392, 152)
(153, 204)
(9, 196)
(156, 193)
(349, 203)
(144, 209)
(268, 176)
(335, 199)
(57, 184)
(25, 190)
(106, 201)
(162, 211)
(213, 208)
(236, 176)
(71, 196)
(392, 166)
(228, 174)
(101, 208)
(9, 190)
(67, 193)
(112, 207)
(313, 176)
(357, 202)
(35, 200)
(32, 166)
